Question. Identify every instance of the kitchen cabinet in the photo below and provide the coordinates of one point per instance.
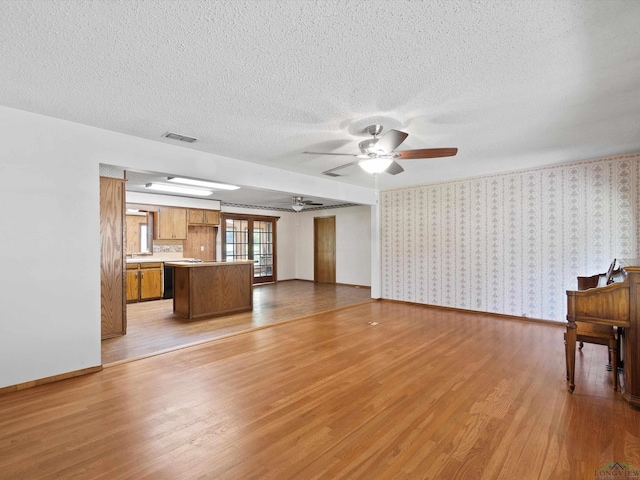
(204, 217)
(200, 243)
(144, 281)
(212, 289)
(171, 223)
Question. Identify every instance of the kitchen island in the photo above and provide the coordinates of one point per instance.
(209, 289)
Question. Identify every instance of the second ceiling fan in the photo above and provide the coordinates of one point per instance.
(378, 154)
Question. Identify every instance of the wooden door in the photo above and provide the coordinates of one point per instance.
(252, 237)
(324, 249)
(113, 311)
(263, 242)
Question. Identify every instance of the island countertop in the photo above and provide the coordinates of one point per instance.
(209, 289)
(206, 263)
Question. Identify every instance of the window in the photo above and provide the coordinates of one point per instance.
(237, 239)
(251, 238)
(144, 238)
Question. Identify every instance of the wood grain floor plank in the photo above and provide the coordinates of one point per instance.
(425, 393)
(153, 328)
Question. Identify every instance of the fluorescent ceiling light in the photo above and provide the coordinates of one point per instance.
(176, 189)
(375, 165)
(202, 183)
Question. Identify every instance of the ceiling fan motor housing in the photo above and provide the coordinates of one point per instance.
(374, 130)
(368, 146)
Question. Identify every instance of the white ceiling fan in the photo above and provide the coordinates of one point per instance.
(299, 203)
(378, 154)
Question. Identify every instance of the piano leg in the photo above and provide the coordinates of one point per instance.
(613, 358)
(566, 356)
(570, 353)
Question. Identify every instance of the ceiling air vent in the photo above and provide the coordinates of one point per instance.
(177, 136)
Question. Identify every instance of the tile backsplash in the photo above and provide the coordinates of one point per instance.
(167, 248)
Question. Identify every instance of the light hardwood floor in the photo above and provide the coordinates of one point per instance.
(153, 328)
(425, 393)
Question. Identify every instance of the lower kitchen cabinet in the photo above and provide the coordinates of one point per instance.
(144, 281)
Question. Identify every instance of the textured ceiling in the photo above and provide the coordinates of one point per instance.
(513, 84)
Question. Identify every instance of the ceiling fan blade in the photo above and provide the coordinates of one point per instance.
(427, 153)
(331, 172)
(309, 202)
(391, 140)
(394, 169)
(340, 154)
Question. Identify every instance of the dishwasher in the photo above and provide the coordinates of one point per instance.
(168, 282)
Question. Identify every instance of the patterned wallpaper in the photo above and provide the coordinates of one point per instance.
(510, 243)
(111, 171)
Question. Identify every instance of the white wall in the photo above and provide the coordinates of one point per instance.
(50, 250)
(511, 243)
(50, 253)
(353, 244)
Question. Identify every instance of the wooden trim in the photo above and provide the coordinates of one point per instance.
(144, 206)
(113, 304)
(355, 285)
(274, 258)
(480, 312)
(54, 378)
(251, 219)
(246, 216)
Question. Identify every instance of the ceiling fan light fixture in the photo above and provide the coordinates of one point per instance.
(375, 165)
(297, 208)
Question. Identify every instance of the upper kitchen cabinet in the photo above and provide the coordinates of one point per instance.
(204, 217)
(171, 223)
(211, 217)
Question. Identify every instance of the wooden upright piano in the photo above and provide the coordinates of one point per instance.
(616, 304)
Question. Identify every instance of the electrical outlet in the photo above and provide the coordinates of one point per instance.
(202, 248)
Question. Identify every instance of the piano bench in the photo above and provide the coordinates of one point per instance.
(598, 335)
